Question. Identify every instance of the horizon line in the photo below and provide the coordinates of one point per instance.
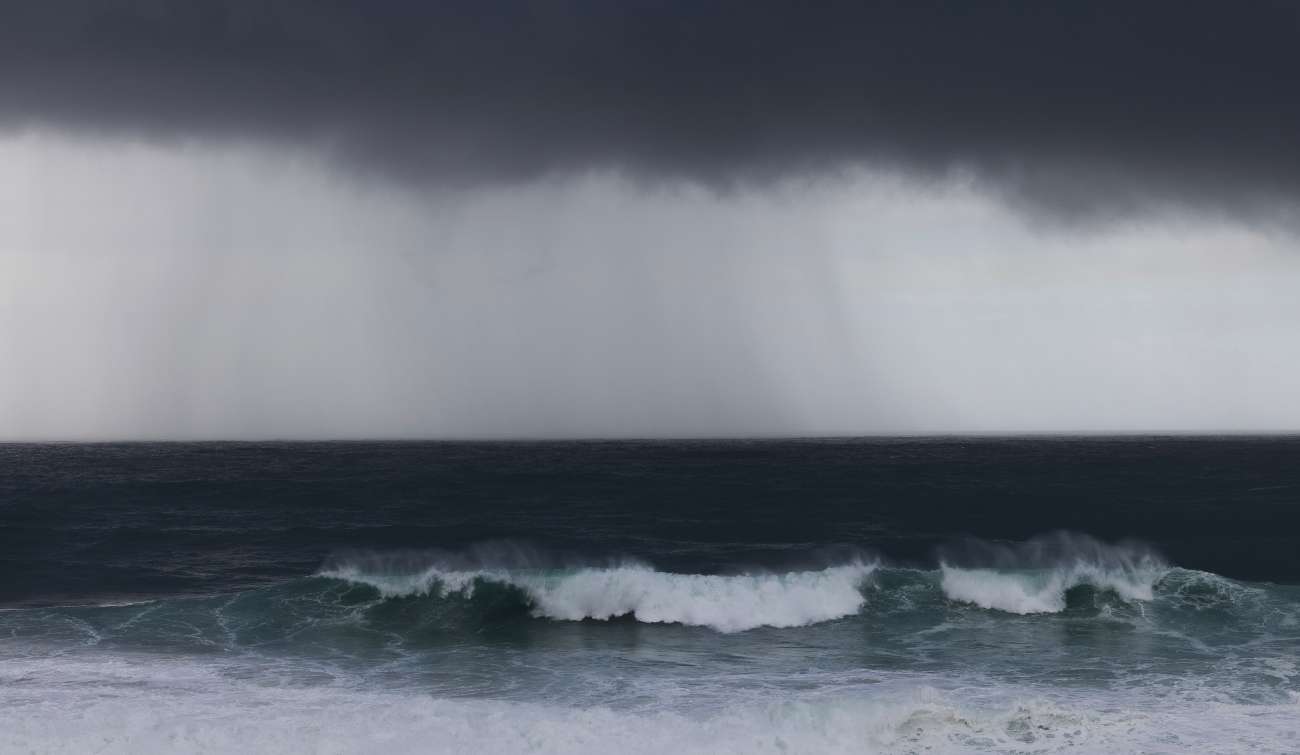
(506, 439)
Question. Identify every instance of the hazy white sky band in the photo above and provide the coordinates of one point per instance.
(171, 291)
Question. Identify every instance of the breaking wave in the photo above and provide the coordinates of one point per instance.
(1037, 576)
(1042, 591)
(726, 603)
(422, 599)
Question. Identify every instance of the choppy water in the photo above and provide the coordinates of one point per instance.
(1026, 595)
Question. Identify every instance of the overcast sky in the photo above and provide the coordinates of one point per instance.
(510, 219)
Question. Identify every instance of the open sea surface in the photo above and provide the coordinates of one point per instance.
(819, 596)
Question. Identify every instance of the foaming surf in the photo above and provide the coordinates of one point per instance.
(124, 704)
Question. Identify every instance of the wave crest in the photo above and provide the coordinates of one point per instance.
(726, 603)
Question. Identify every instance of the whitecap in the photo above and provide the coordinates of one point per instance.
(726, 603)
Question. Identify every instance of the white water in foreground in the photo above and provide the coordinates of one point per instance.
(731, 603)
(111, 704)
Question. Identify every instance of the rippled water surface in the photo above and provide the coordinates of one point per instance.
(1008, 595)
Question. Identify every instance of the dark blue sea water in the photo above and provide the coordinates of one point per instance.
(955, 595)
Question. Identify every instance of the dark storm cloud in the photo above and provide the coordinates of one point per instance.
(1078, 107)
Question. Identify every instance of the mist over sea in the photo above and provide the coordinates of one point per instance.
(891, 595)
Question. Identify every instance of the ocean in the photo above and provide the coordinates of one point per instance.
(1025, 595)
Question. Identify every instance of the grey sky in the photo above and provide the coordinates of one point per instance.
(1082, 110)
(226, 219)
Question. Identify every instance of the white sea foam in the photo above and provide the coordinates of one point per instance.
(726, 603)
(131, 704)
(1042, 590)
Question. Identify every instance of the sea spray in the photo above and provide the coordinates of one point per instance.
(1043, 591)
(1035, 576)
